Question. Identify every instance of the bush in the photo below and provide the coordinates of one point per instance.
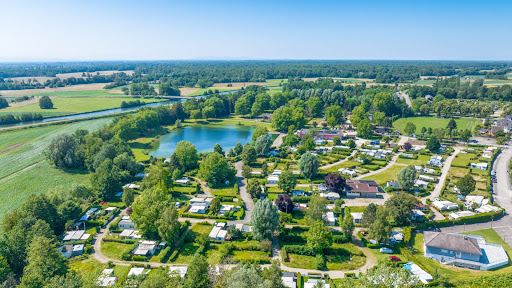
(351, 275)
(301, 250)
(125, 256)
(88, 248)
(320, 262)
(140, 258)
(340, 239)
(174, 255)
(284, 254)
(164, 254)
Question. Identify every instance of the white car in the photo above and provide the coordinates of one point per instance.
(386, 250)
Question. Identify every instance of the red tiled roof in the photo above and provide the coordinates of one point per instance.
(362, 186)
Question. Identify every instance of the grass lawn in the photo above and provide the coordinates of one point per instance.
(201, 228)
(87, 266)
(434, 122)
(227, 191)
(300, 261)
(200, 91)
(114, 249)
(386, 175)
(346, 164)
(422, 160)
(251, 255)
(452, 272)
(73, 105)
(187, 253)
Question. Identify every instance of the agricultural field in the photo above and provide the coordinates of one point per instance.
(73, 105)
(23, 168)
(434, 122)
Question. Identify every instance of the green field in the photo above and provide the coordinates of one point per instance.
(434, 122)
(23, 167)
(386, 175)
(73, 105)
(81, 93)
(201, 91)
(422, 160)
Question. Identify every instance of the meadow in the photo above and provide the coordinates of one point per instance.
(23, 168)
(434, 122)
(386, 175)
(74, 105)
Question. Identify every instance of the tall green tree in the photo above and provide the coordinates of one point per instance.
(168, 225)
(347, 226)
(308, 165)
(264, 220)
(62, 152)
(45, 103)
(128, 197)
(249, 155)
(400, 207)
(466, 184)
(218, 149)
(147, 210)
(253, 187)
(317, 206)
(452, 125)
(410, 128)
(259, 131)
(262, 145)
(406, 177)
(187, 155)
(315, 106)
(197, 274)
(287, 181)
(246, 277)
(369, 215)
(433, 144)
(319, 237)
(214, 169)
(44, 262)
(380, 229)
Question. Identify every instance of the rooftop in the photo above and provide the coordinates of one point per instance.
(453, 242)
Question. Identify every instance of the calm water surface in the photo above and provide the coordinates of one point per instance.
(204, 138)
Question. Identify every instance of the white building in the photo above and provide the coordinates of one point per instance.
(330, 196)
(146, 248)
(460, 214)
(106, 279)
(272, 179)
(436, 161)
(481, 166)
(426, 178)
(357, 216)
(180, 270)
(126, 223)
(420, 183)
(329, 218)
(445, 205)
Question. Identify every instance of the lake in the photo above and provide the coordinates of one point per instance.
(204, 138)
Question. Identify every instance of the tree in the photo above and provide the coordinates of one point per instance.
(400, 207)
(147, 210)
(380, 230)
(406, 177)
(287, 181)
(214, 169)
(319, 237)
(166, 89)
(308, 142)
(262, 145)
(466, 184)
(246, 171)
(334, 111)
(249, 154)
(256, 109)
(369, 215)
(465, 135)
(385, 275)
(4, 269)
(242, 106)
(335, 182)
(246, 277)
(284, 117)
(315, 106)
(128, 197)
(44, 262)
(351, 143)
(264, 220)
(62, 151)
(317, 206)
(197, 273)
(284, 203)
(347, 226)
(452, 125)
(439, 133)
(410, 128)
(308, 165)
(259, 131)
(336, 141)
(168, 225)
(107, 180)
(274, 274)
(215, 205)
(218, 149)
(254, 187)
(365, 128)
(3, 104)
(433, 144)
(186, 153)
(407, 146)
(238, 149)
(45, 103)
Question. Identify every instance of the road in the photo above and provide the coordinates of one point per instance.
(279, 140)
(246, 197)
(444, 173)
(406, 97)
(389, 164)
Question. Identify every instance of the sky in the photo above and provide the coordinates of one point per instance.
(79, 30)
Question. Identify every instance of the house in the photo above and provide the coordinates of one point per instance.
(88, 215)
(348, 172)
(78, 250)
(272, 179)
(198, 208)
(481, 166)
(407, 155)
(436, 161)
(362, 188)
(429, 170)
(502, 124)
(417, 215)
(332, 196)
(126, 223)
(183, 181)
(487, 154)
(396, 237)
(300, 193)
(487, 208)
(197, 200)
(357, 216)
(180, 270)
(418, 168)
(131, 234)
(110, 209)
(136, 271)
(329, 218)
(106, 279)
(131, 186)
(460, 214)
(76, 235)
(380, 155)
(420, 184)
(225, 208)
(218, 232)
(445, 205)
(429, 97)
(426, 178)
(140, 175)
(313, 283)
(418, 273)
(466, 251)
(146, 248)
(244, 228)
(478, 199)
(392, 184)
(288, 279)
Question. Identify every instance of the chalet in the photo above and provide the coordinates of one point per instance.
(420, 183)
(272, 179)
(445, 205)
(183, 181)
(392, 184)
(146, 248)
(180, 270)
(126, 223)
(481, 166)
(362, 188)
(348, 172)
(357, 216)
(436, 161)
(288, 279)
(466, 251)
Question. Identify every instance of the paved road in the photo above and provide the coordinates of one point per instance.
(404, 95)
(279, 140)
(246, 197)
(444, 173)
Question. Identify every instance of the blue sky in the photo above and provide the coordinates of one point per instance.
(157, 30)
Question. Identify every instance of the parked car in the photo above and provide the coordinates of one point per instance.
(386, 250)
(395, 259)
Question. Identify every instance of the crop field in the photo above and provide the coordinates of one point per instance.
(434, 122)
(73, 105)
(23, 168)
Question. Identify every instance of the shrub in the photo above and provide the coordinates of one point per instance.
(140, 258)
(284, 254)
(88, 248)
(320, 262)
(174, 255)
(340, 239)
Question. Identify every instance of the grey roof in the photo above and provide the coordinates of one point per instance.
(288, 274)
(453, 242)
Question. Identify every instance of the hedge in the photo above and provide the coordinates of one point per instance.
(140, 258)
(300, 199)
(117, 240)
(340, 239)
(174, 255)
(301, 250)
(284, 254)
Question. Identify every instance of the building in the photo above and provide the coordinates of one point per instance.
(106, 279)
(126, 223)
(417, 215)
(407, 155)
(418, 168)
(487, 208)
(300, 193)
(312, 283)
(131, 186)
(420, 184)
(467, 251)
(329, 218)
(362, 188)
(417, 272)
(357, 216)
(131, 234)
(183, 181)
(146, 248)
(180, 270)
(76, 235)
(322, 134)
(332, 196)
(445, 205)
(69, 250)
(218, 232)
(198, 208)
(348, 172)
(478, 199)
(136, 271)
(481, 166)
(436, 161)
(288, 279)
(244, 228)
(429, 170)
(225, 208)
(392, 184)
(460, 214)
(272, 179)
(426, 178)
